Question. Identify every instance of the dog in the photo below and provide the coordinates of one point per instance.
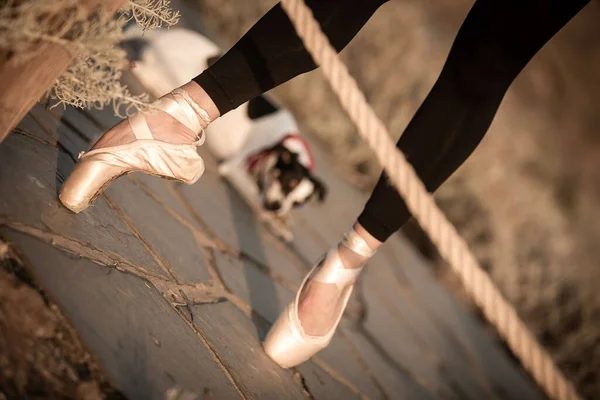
(259, 147)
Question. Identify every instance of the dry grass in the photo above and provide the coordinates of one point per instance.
(93, 79)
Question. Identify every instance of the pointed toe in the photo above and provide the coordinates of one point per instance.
(287, 346)
(86, 182)
(287, 343)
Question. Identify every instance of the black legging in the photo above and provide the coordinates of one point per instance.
(495, 42)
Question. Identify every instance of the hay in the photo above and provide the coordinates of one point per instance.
(93, 79)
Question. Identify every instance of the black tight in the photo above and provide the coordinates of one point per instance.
(271, 53)
(495, 42)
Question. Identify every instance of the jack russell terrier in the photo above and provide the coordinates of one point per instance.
(258, 145)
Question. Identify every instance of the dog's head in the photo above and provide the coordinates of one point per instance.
(285, 183)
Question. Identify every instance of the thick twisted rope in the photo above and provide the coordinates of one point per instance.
(422, 206)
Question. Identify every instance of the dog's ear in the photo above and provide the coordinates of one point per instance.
(284, 154)
(320, 189)
(134, 47)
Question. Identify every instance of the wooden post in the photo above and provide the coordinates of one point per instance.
(21, 86)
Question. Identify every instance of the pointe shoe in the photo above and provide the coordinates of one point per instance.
(97, 168)
(286, 343)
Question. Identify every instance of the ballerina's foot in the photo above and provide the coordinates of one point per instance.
(160, 141)
(308, 324)
(320, 303)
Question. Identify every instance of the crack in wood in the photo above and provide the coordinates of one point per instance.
(226, 248)
(73, 247)
(198, 293)
(56, 143)
(138, 236)
(388, 359)
(338, 377)
(213, 352)
(302, 382)
(23, 132)
(362, 364)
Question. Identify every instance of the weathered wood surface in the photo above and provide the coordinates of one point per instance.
(174, 286)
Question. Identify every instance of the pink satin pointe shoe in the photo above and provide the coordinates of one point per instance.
(97, 168)
(287, 343)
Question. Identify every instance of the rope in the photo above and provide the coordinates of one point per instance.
(422, 206)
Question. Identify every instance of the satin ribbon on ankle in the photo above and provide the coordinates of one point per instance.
(181, 107)
(357, 244)
(332, 270)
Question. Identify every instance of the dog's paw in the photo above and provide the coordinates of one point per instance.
(224, 169)
(280, 226)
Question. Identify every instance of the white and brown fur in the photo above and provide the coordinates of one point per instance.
(258, 145)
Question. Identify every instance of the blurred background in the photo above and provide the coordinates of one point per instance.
(527, 201)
